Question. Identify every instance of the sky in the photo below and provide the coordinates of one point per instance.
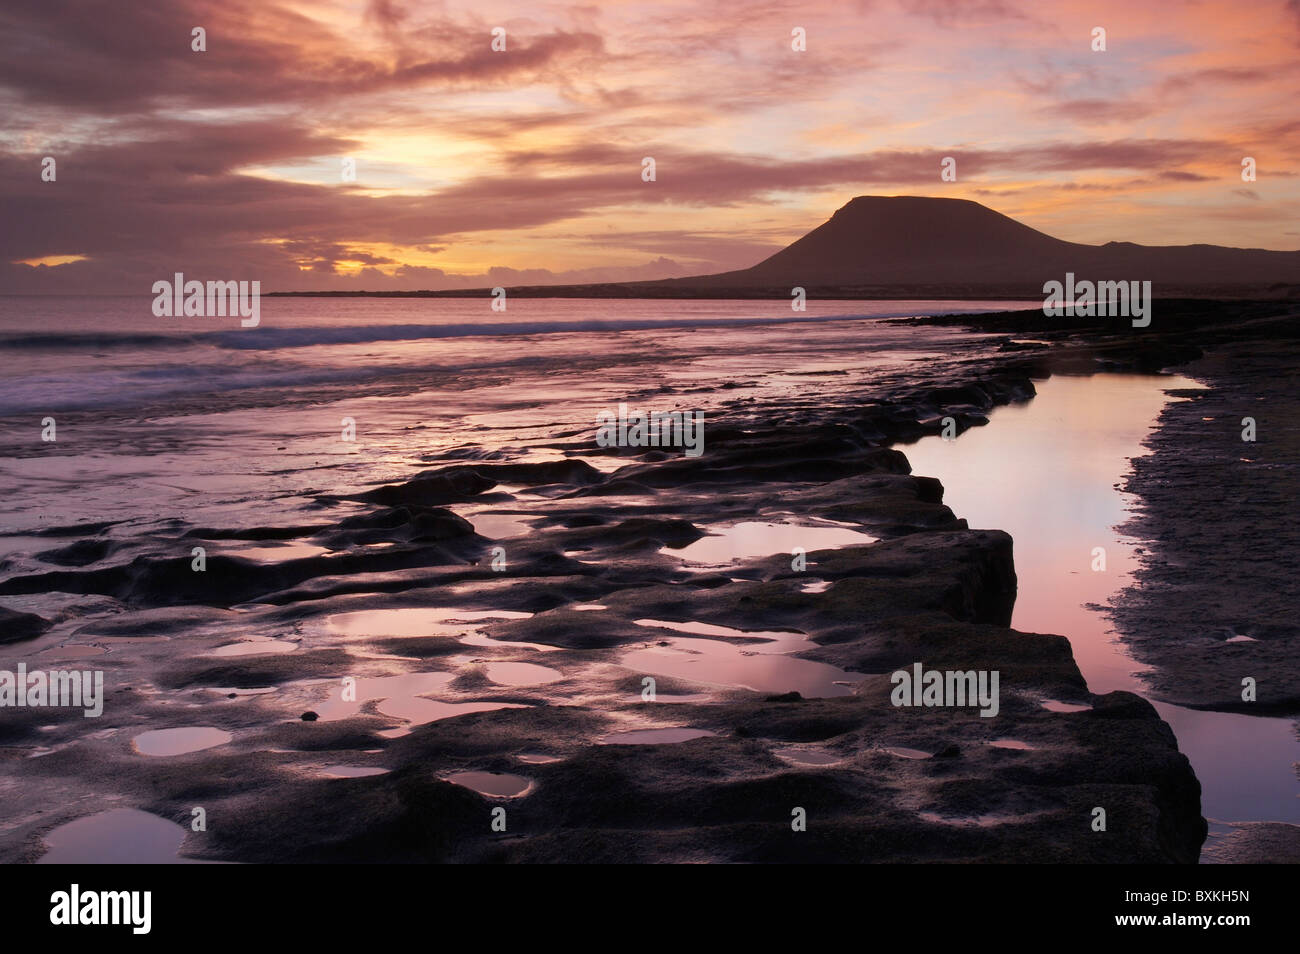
(479, 167)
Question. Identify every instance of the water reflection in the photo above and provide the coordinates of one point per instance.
(1047, 473)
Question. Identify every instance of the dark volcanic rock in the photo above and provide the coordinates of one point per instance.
(462, 482)
(453, 485)
(410, 524)
(81, 553)
(16, 627)
(753, 464)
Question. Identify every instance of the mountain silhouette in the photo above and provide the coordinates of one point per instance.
(913, 240)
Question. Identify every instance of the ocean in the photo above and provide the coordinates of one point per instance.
(194, 418)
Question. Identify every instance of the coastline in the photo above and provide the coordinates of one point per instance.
(893, 784)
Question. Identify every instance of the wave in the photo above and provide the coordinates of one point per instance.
(271, 338)
(92, 341)
(268, 337)
(90, 390)
(95, 387)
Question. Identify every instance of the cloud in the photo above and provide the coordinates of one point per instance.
(1095, 111)
(227, 161)
(118, 58)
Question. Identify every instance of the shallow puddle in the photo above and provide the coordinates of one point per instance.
(1052, 705)
(255, 647)
(492, 784)
(674, 698)
(161, 742)
(654, 736)
(476, 616)
(787, 640)
(498, 526)
(352, 771)
(275, 552)
(414, 621)
(536, 758)
(482, 639)
(123, 836)
(521, 674)
(807, 756)
(901, 752)
(1011, 744)
(394, 690)
(421, 711)
(751, 539)
(759, 663)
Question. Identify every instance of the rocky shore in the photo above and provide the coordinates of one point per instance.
(592, 594)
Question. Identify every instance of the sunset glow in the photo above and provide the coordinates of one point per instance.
(523, 165)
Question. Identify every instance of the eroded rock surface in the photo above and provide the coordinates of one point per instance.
(528, 654)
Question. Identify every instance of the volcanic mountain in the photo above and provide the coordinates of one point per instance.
(912, 242)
